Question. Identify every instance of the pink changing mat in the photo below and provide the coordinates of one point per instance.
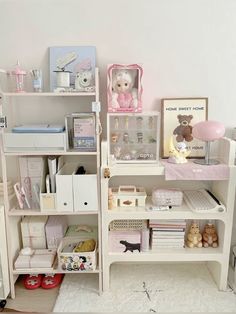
(192, 171)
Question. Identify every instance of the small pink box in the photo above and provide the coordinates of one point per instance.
(124, 241)
(55, 230)
(124, 88)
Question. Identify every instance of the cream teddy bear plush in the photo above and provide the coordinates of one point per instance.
(124, 95)
(194, 237)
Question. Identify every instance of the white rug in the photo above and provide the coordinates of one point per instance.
(146, 288)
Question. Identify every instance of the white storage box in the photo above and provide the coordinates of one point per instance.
(85, 192)
(129, 196)
(71, 261)
(33, 232)
(167, 197)
(14, 142)
(64, 188)
(56, 227)
(47, 202)
(124, 241)
(38, 259)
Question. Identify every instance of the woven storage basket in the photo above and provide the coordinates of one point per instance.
(133, 224)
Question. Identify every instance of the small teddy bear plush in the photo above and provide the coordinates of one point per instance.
(124, 95)
(194, 237)
(184, 130)
(210, 237)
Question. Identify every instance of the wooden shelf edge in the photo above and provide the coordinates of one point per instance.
(27, 212)
(51, 271)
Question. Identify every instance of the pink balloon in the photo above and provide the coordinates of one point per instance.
(208, 130)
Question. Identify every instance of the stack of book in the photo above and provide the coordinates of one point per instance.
(167, 233)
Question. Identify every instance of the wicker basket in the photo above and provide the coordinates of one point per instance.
(132, 224)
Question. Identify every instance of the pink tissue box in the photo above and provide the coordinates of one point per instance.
(132, 241)
(39, 259)
(55, 230)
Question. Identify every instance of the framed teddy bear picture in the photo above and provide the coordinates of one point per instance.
(124, 88)
(178, 118)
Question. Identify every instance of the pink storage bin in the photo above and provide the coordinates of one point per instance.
(167, 197)
(55, 230)
(131, 241)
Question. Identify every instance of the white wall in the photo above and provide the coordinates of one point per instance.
(187, 47)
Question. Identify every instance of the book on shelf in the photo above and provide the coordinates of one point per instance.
(169, 229)
(154, 236)
(167, 241)
(163, 233)
(168, 221)
(167, 246)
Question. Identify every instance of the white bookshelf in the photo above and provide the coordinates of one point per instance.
(10, 103)
(216, 259)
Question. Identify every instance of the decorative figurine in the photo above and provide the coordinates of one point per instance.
(116, 119)
(179, 153)
(194, 237)
(209, 236)
(150, 123)
(139, 121)
(126, 122)
(19, 77)
(126, 138)
(114, 137)
(117, 152)
(124, 87)
(140, 137)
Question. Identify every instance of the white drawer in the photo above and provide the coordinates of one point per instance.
(33, 141)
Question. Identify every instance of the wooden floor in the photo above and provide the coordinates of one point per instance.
(38, 300)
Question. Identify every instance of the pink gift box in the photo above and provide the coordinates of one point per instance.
(39, 259)
(131, 241)
(55, 230)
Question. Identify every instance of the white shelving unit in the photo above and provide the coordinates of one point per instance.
(4, 273)
(13, 105)
(217, 259)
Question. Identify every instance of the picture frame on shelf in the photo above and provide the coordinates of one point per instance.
(81, 132)
(72, 68)
(124, 88)
(178, 117)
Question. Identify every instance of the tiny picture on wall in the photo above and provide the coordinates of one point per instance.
(178, 118)
(72, 68)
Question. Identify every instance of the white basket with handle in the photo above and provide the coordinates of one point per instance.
(129, 196)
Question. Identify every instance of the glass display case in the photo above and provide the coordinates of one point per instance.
(133, 138)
